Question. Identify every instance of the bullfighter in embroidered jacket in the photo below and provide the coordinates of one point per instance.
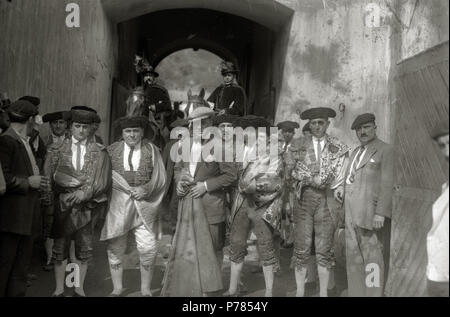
(319, 164)
(58, 133)
(257, 203)
(80, 172)
(139, 181)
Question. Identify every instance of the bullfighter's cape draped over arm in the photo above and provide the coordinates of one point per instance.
(265, 175)
(94, 180)
(302, 159)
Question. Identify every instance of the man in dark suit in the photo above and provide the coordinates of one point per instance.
(368, 205)
(36, 142)
(229, 98)
(19, 207)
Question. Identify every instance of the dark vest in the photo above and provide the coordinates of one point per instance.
(134, 178)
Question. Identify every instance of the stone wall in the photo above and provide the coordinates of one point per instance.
(64, 66)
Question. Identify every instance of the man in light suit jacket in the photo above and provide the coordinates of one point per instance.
(211, 179)
(368, 206)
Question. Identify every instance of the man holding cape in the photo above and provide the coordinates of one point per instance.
(139, 180)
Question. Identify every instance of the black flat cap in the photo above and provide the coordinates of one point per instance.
(34, 100)
(53, 116)
(317, 113)
(440, 129)
(363, 119)
(288, 125)
(22, 110)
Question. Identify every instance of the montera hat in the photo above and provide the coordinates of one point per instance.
(318, 113)
(54, 116)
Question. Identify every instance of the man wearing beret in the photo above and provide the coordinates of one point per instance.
(139, 181)
(194, 267)
(437, 238)
(318, 168)
(80, 172)
(288, 131)
(19, 206)
(368, 187)
(229, 97)
(36, 142)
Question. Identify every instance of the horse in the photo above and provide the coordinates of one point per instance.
(195, 101)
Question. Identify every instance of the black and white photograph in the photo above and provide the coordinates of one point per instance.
(235, 149)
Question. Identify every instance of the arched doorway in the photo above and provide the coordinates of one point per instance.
(189, 69)
(253, 38)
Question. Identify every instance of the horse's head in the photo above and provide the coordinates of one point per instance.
(195, 101)
(136, 102)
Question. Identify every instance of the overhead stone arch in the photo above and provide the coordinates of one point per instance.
(270, 13)
(250, 33)
(198, 43)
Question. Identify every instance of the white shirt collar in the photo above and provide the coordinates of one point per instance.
(25, 139)
(136, 147)
(75, 141)
(319, 140)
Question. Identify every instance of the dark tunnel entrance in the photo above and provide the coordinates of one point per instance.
(256, 49)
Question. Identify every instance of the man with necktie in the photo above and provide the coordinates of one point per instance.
(368, 185)
(139, 181)
(80, 172)
(229, 98)
(318, 169)
(202, 178)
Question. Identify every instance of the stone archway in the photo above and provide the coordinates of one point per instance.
(249, 33)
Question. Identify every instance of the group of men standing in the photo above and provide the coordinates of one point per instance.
(65, 183)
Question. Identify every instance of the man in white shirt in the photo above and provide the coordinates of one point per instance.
(437, 239)
(81, 175)
(139, 180)
(318, 168)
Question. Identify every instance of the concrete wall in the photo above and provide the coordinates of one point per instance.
(327, 55)
(337, 54)
(333, 58)
(40, 56)
(424, 24)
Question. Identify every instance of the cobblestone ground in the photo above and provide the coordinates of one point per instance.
(98, 282)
